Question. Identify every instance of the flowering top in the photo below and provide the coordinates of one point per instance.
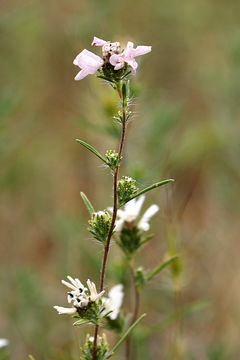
(131, 212)
(113, 58)
(79, 296)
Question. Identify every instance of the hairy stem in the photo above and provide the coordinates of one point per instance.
(114, 215)
(135, 311)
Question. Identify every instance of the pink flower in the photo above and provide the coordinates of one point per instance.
(128, 56)
(98, 42)
(88, 62)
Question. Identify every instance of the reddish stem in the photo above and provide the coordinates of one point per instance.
(114, 215)
(135, 312)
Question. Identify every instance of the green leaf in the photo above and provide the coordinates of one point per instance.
(30, 357)
(91, 148)
(162, 266)
(124, 95)
(154, 186)
(87, 203)
(81, 322)
(130, 329)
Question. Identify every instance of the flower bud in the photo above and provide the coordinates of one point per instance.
(126, 188)
(113, 159)
(99, 225)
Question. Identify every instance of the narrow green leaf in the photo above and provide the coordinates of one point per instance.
(124, 95)
(91, 148)
(154, 186)
(130, 329)
(105, 78)
(80, 322)
(87, 203)
(162, 266)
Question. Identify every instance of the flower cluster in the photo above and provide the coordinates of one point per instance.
(126, 187)
(113, 159)
(131, 211)
(89, 62)
(99, 225)
(129, 233)
(79, 296)
(83, 298)
(101, 349)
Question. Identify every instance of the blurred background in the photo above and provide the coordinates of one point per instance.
(185, 126)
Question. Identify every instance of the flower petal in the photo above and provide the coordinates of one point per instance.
(68, 285)
(142, 50)
(63, 310)
(144, 222)
(98, 42)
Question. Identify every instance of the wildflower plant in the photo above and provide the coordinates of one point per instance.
(121, 222)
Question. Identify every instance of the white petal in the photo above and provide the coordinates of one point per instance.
(143, 223)
(133, 208)
(63, 310)
(116, 298)
(69, 285)
(119, 225)
(74, 282)
(3, 343)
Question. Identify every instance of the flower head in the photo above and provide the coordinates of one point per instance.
(114, 301)
(113, 59)
(131, 212)
(79, 295)
(128, 56)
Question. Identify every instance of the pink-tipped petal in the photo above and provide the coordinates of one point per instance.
(142, 50)
(98, 42)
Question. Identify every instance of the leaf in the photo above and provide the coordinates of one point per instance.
(154, 186)
(30, 357)
(81, 322)
(87, 203)
(130, 329)
(161, 267)
(91, 148)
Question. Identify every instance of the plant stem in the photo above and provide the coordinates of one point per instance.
(135, 311)
(114, 215)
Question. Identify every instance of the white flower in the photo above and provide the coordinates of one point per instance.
(93, 291)
(3, 343)
(131, 211)
(79, 295)
(114, 301)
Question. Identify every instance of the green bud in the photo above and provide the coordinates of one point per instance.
(126, 188)
(129, 240)
(113, 159)
(99, 225)
(101, 350)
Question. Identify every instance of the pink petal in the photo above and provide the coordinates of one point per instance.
(98, 42)
(129, 51)
(142, 50)
(82, 74)
(117, 61)
(88, 59)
